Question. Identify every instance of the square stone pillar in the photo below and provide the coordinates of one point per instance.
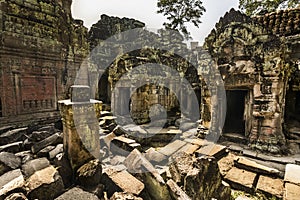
(80, 116)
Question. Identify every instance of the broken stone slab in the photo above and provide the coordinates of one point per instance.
(172, 148)
(10, 181)
(270, 186)
(58, 149)
(291, 191)
(121, 181)
(176, 192)
(244, 163)
(106, 140)
(16, 196)
(214, 150)
(46, 183)
(108, 119)
(13, 136)
(37, 136)
(12, 147)
(292, 174)
(77, 194)
(124, 196)
(32, 166)
(52, 140)
(8, 161)
(241, 179)
(89, 174)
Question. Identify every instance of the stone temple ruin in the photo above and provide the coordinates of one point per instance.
(49, 142)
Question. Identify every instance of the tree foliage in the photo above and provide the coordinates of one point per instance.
(180, 12)
(253, 7)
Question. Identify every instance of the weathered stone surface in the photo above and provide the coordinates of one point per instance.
(46, 182)
(122, 181)
(176, 192)
(64, 168)
(291, 191)
(89, 174)
(124, 196)
(16, 196)
(240, 179)
(8, 161)
(10, 181)
(244, 163)
(32, 166)
(292, 174)
(77, 194)
(270, 186)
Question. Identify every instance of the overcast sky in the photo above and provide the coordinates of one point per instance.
(145, 10)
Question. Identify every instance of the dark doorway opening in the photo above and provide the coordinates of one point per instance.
(235, 122)
(103, 89)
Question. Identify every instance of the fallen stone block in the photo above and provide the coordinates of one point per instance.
(176, 192)
(89, 174)
(172, 148)
(270, 186)
(25, 156)
(124, 196)
(16, 196)
(214, 150)
(52, 140)
(46, 183)
(77, 194)
(37, 136)
(13, 136)
(291, 191)
(10, 181)
(123, 146)
(8, 161)
(12, 147)
(121, 181)
(241, 179)
(244, 163)
(292, 174)
(154, 156)
(189, 148)
(64, 168)
(154, 183)
(45, 151)
(58, 149)
(32, 166)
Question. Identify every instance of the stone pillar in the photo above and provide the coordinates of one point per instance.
(80, 116)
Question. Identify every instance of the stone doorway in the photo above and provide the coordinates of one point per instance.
(235, 120)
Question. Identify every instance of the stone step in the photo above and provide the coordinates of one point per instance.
(241, 179)
(270, 186)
